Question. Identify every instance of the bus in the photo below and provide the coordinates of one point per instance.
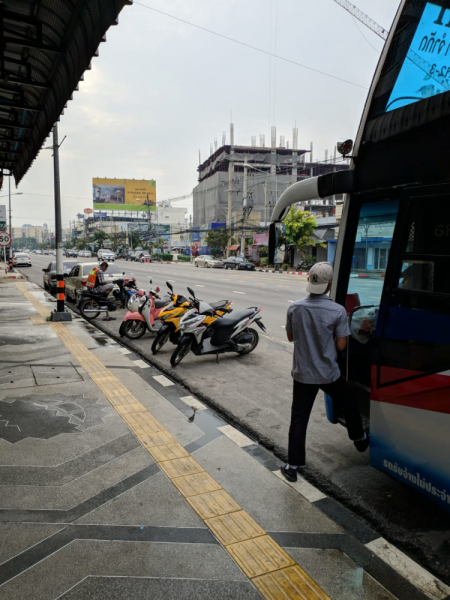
(392, 257)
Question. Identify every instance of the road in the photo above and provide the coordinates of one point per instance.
(254, 392)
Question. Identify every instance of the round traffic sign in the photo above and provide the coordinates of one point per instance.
(5, 238)
(88, 211)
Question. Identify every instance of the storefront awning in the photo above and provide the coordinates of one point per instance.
(233, 248)
(46, 46)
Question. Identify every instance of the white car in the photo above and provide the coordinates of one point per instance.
(77, 278)
(21, 259)
(105, 254)
(204, 260)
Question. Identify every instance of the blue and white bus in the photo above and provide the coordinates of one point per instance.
(397, 191)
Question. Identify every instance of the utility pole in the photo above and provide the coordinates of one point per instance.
(59, 314)
(148, 204)
(244, 199)
(265, 203)
(230, 201)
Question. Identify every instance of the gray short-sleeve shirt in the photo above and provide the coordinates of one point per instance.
(315, 322)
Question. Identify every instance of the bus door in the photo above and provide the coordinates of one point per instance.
(361, 278)
(410, 373)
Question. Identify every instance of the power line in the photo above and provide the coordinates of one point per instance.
(230, 39)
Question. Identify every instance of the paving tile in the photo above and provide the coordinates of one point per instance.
(157, 438)
(234, 527)
(193, 403)
(163, 380)
(213, 504)
(167, 452)
(259, 556)
(291, 582)
(236, 436)
(180, 467)
(193, 485)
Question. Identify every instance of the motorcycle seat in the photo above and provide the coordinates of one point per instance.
(161, 303)
(219, 304)
(233, 319)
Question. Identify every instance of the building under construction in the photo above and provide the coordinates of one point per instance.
(247, 180)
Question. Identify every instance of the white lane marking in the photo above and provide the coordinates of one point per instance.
(303, 487)
(272, 339)
(171, 280)
(193, 403)
(140, 363)
(235, 292)
(291, 301)
(163, 380)
(124, 351)
(236, 436)
(420, 577)
(283, 326)
(199, 286)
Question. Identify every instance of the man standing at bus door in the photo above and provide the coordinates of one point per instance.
(319, 329)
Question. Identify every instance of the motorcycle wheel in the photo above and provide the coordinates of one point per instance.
(89, 304)
(255, 335)
(180, 352)
(134, 329)
(122, 329)
(160, 340)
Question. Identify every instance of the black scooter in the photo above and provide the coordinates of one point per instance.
(91, 304)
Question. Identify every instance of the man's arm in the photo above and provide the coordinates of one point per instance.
(341, 343)
(288, 327)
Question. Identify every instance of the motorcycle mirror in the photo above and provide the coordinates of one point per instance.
(157, 289)
(191, 292)
(169, 285)
(151, 280)
(123, 272)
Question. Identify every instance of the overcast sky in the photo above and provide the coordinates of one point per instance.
(161, 90)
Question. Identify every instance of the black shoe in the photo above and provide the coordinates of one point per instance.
(289, 474)
(362, 445)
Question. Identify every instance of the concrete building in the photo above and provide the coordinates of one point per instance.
(29, 231)
(270, 171)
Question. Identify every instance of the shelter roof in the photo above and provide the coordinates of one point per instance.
(46, 46)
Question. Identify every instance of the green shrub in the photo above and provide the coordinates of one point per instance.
(183, 258)
(164, 256)
(285, 266)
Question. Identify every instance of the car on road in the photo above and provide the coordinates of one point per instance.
(142, 255)
(235, 262)
(21, 259)
(71, 253)
(46, 252)
(85, 254)
(38, 252)
(106, 254)
(49, 277)
(131, 255)
(204, 260)
(77, 278)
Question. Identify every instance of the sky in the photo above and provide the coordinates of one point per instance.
(162, 90)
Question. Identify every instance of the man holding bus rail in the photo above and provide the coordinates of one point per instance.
(319, 329)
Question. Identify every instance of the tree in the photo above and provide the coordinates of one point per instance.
(218, 238)
(300, 226)
(159, 244)
(118, 239)
(100, 236)
(82, 243)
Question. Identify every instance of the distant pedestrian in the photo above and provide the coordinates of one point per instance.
(319, 329)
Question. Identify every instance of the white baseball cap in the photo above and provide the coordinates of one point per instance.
(320, 275)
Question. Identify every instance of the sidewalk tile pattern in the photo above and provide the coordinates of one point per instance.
(267, 565)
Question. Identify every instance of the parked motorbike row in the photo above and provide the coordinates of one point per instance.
(189, 323)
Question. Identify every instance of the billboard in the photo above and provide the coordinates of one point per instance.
(123, 194)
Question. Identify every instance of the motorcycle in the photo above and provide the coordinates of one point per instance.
(143, 311)
(204, 332)
(171, 316)
(91, 303)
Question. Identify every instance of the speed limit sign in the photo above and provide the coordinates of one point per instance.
(5, 238)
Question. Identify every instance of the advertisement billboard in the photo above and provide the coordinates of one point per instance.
(123, 194)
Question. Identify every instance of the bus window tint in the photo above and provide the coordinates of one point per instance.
(371, 250)
(417, 276)
(426, 248)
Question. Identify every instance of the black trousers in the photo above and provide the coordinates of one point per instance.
(304, 396)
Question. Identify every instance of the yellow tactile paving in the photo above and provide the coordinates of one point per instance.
(259, 556)
(167, 452)
(274, 573)
(193, 485)
(38, 321)
(180, 467)
(235, 527)
(287, 584)
(213, 504)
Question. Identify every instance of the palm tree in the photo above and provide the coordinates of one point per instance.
(100, 236)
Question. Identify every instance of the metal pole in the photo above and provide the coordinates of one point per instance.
(244, 193)
(59, 314)
(265, 202)
(9, 194)
(230, 198)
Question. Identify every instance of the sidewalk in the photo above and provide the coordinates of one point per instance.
(114, 484)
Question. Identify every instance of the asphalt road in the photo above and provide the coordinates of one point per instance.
(254, 392)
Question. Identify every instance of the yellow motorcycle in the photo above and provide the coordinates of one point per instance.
(171, 316)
